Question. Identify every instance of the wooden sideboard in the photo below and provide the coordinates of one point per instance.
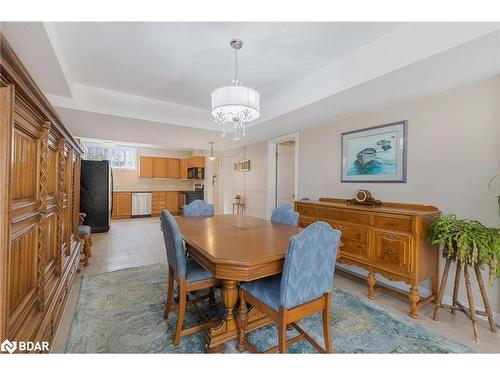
(387, 239)
(39, 206)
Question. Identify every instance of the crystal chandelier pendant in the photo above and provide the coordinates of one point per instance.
(234, 106)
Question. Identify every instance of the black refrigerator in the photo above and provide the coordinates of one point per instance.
(96, 194)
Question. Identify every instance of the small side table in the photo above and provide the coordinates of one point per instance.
(240, 208)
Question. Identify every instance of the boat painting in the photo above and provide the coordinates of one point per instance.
(375, 153)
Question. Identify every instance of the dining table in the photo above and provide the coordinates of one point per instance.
(235, 249)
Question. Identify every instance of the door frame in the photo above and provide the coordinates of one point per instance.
(271, 168)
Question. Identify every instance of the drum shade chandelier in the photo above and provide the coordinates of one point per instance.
(235, 105)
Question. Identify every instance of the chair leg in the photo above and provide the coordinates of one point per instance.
(181, 311)
(211, 296)
(282, 337)
(170, 293)
(326, 325)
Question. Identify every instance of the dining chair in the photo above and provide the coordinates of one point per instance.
(188, 275)
(302, 289)
(198, 207)
(285, 214)
(84, 234)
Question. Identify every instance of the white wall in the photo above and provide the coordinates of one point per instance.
(252, 185)
(126, 179)
(453, 152)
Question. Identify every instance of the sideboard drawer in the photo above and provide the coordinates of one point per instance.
(353, 248)
(392, 251)
(351, 217)
(304, 221)
(350, 232)
(403, 224)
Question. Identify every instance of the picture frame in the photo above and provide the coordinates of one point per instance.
(375, 154)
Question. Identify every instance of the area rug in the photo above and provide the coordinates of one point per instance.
(122, 312)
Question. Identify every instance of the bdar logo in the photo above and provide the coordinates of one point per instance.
(8, 346)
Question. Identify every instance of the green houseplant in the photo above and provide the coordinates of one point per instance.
(237, 198)
(468, 242)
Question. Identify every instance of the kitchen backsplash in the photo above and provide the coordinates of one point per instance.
(128, 180)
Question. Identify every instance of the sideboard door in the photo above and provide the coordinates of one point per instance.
(392, 250)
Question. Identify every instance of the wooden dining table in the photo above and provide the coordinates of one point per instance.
(236, 248)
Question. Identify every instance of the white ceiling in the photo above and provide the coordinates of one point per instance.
(151, 82)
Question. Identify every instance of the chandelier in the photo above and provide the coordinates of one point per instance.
(234, 106)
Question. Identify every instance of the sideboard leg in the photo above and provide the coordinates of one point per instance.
(486, 301)
(441, 290)
(414, 297)
(472, 307)
(371, 285)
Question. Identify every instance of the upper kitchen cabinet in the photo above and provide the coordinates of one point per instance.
(160, 167)
(183, 170)
(146, 166)
(173, 166)
(196, 162)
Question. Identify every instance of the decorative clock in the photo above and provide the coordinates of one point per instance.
(364, 197)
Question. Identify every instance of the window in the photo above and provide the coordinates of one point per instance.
(121, 157)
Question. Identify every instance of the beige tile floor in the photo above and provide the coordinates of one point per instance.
(138, 242)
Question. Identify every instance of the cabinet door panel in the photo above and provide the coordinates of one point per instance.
(160, 167)
(392, 250)
(172, 201)
(183, 168)
(146, 166)
(173, 166)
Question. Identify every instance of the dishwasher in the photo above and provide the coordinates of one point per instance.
(141, 204)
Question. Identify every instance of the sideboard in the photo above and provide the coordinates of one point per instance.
(39, 206)
(388, 239)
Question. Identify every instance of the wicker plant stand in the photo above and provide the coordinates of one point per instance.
(470, 311)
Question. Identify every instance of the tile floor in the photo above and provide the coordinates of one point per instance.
(138, 242)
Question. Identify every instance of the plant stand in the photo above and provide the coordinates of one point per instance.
(470, 311)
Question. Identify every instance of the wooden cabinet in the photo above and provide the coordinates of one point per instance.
(146, 166)
(389, 239)
(183, 171)
(40, 173)
(122, 205)
(196, 162)
(173, 168)
(161, 200)
(160, 167)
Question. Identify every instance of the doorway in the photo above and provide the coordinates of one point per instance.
(282, 171)
(215, 169)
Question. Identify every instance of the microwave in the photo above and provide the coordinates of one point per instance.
(196, 173)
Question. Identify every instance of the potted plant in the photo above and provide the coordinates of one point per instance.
(237, 199)
(467, 242)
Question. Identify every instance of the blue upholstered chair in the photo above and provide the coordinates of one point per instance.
(198, 207)
(285, 214)
(188, 275)
(302, 289)
(84, 234)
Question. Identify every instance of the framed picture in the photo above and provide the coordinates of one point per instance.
(245, 165)
(376, 154)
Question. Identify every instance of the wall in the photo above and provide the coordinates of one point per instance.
(285, 173)
(252, 185)
(453, 152)
(129, 180)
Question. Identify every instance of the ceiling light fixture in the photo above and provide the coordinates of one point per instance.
(233, 106)
(212, 155)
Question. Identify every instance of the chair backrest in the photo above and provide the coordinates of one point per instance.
(309, 264)
(174, 244)
(285, 214)
(198, 207)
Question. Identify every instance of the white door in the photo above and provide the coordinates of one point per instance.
(215, 182)
(285, 173)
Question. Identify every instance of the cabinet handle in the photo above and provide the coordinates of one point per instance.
(358, 236)
(388, 251)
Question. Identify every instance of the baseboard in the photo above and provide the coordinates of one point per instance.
(403, 288)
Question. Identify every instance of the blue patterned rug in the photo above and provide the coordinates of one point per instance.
(121, 312)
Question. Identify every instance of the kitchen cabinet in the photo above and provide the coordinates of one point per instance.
(160, 167)
(183, 170)
(172, 168)
(161, 200)
(146, 166)
(122, 205)
(196, 162)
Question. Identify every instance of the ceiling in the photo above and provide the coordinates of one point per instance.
(151, 82)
